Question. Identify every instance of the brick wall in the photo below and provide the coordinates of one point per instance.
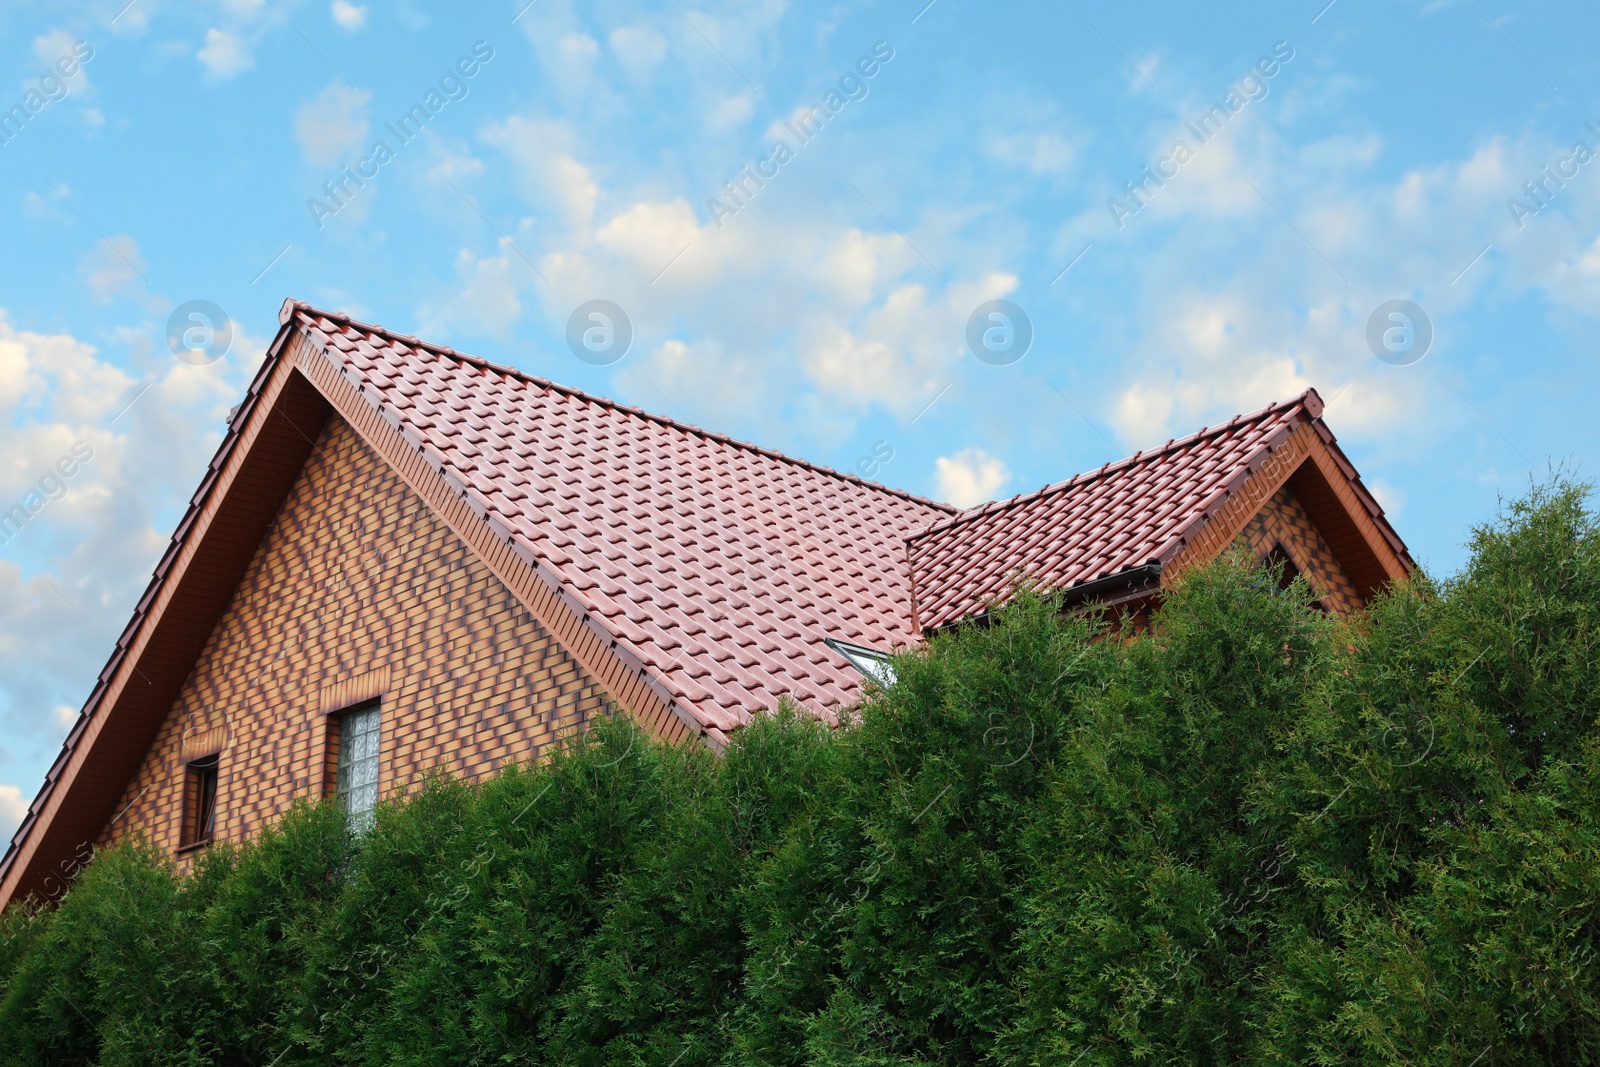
(356, 591)
(1284, 521)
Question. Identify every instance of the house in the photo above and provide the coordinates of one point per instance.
(403, 558)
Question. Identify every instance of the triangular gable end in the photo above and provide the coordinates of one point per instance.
(358, 601)
(1303, 469)
(267, 442)
(266, 447)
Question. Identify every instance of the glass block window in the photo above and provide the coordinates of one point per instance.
(358, 763)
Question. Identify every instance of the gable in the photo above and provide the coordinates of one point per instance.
(262, 453)
(357, 590)
(1335, 513)
(1117, 535)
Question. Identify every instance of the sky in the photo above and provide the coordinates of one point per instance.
(964, 249)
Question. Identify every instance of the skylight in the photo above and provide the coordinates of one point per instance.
(869, 661)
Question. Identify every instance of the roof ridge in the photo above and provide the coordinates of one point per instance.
(1309, 399)
(572, 391)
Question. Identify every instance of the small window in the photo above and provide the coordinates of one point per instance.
(357, 786)
(1278, 560)
(199, 801)
(869, 661)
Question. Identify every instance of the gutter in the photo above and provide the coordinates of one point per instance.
(1114, 588)
(1108, 591)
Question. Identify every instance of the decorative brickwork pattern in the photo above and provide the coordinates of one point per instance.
(1283, 521)
(358, 590)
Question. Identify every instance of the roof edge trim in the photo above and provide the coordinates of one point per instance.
(1276, 458)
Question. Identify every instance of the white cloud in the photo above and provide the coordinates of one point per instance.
(640, 49)
(1292, 313)
(731, 113)
(574, 59)
(802, 117)
(488, 296)
(1037, 153)
(970, 477)
(1232, 349)
(1212, 184)
(650, 235)
(225, 54)
(899, 353)
(841, 323)
(349, 16)
(334, 125)
(581, 47)
(13, 809)
(456, 168)
(113, 266)
(52, 46)
(540, 149)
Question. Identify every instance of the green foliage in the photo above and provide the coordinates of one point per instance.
(1255, 834)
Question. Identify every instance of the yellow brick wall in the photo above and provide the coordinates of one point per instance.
(1283, 520)
(357, 586)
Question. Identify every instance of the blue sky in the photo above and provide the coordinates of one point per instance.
(1368, 152)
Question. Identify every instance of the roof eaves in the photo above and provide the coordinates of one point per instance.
(1107, 589)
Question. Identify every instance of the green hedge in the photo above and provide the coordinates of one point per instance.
(1254, 835)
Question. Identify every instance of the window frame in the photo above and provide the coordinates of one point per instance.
(876, 665)
(338, 733)
(1278, 556)
(202, 789)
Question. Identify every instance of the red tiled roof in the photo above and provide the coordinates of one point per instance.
(1128, 514)
(721, 566)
